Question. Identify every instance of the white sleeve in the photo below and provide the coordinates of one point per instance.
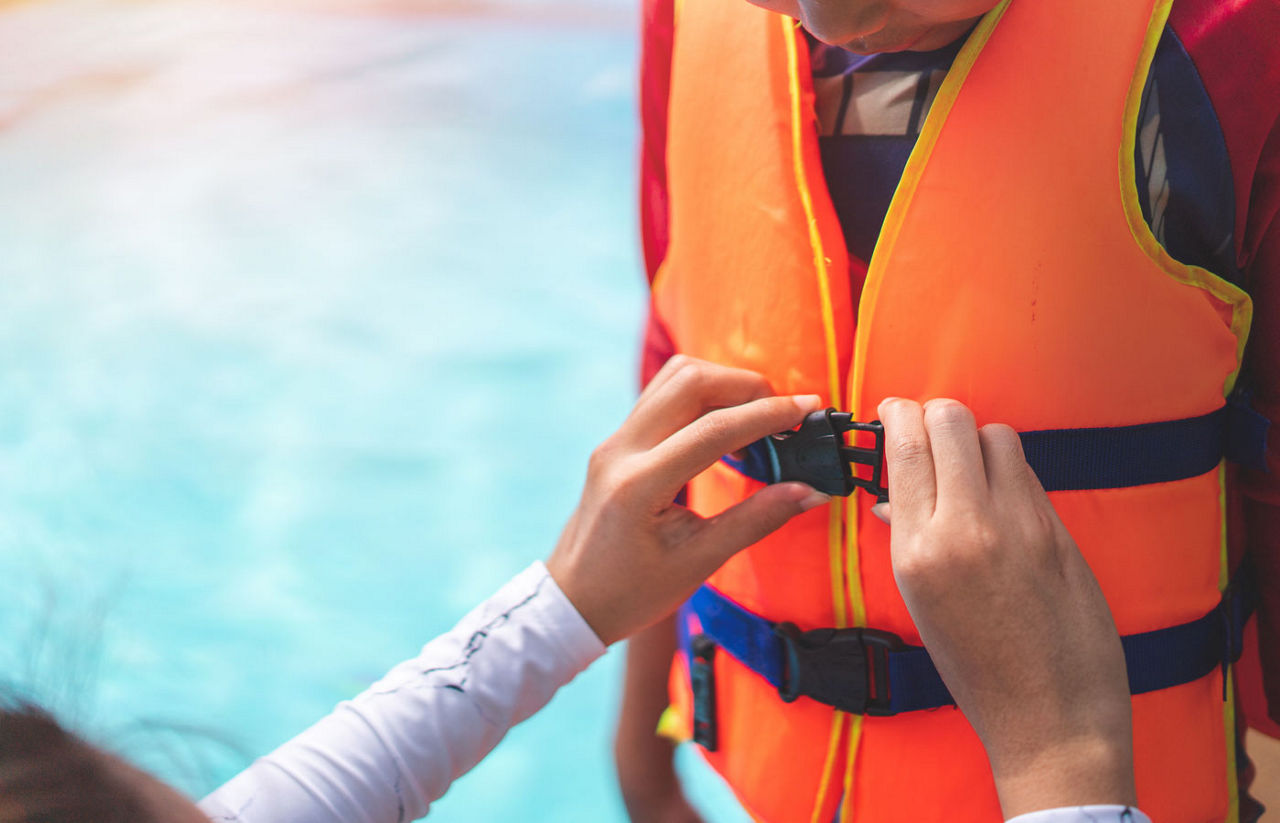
(386, 755)
(1084, 814)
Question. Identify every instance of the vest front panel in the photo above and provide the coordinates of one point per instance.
(1013, 274)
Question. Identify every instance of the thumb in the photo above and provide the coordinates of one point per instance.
(755, 518)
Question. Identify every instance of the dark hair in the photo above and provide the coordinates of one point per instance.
(48, 775)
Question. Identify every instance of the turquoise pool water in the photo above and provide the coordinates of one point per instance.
(309, 321)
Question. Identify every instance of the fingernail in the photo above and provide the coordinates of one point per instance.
(807, 402)
(881, 510)
(813, 499)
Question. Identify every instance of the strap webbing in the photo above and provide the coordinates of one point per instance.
(1113, 457)
(1119, 456)
(1246, 433)
(1157, 659)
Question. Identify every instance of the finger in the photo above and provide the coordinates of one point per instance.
(752, 520)
(883, 513)
(674, 363)
(909, 460)
(1006, 463)
(957, 454)
(676, 460)
(692, 388)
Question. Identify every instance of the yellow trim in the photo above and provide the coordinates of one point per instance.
(833, 748)
(1229, 718)
(1241, 320)
(854, 582)
(836, 509)
(659, 279)
(789, 35)
(846, 802)
(902, 196)
(673, 725)
(1228, 705)
(835, 519)
(853, 559)
(1232, 295)
(905, 192)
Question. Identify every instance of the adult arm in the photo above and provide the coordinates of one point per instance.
(390, 752)
(626, 558)
(990, 576)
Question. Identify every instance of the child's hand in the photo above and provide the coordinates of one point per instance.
(629, 555)
(1009, 610)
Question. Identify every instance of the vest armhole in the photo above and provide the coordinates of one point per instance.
(1224, 291)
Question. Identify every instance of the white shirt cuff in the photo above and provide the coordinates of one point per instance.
(1084, 814)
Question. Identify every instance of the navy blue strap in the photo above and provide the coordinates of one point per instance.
(1119, 456)
(1156, 660)
(1112, 457)
(746, 636)
(1246, 434)
(923, 687)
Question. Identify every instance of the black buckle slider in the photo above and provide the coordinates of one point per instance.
(702, 677)
(844, 668)
(816, 454)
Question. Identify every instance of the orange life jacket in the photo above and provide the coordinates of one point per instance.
(1014, 272)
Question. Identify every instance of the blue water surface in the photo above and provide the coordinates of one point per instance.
(310, 319)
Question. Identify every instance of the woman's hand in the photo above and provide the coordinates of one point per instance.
(629, 555)
(1009, 610)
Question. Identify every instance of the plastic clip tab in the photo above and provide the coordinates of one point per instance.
(703, 679)
(844, 668)
(816, 454)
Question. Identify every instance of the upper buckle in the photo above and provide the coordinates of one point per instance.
(816, 454)
(844, 668)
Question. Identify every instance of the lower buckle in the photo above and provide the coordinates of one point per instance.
(844, 668)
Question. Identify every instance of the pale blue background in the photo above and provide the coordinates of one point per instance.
(308, 322)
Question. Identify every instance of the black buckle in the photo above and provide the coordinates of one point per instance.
(702, 677)
(844, 668)
(816, 454)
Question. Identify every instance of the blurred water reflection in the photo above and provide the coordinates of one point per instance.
(311, 314)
